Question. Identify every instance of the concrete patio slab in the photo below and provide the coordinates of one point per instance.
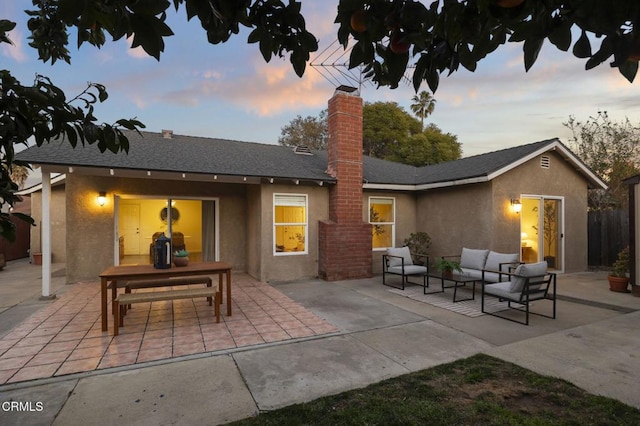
(194, 392)
(602, 358)
(422, 345)
(350, 311)
(290, 374)
(40, 403)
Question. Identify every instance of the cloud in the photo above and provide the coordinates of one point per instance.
(15, 51)
(136, 52)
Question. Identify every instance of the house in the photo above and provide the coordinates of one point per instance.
(281, 214)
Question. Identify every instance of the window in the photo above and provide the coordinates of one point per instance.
(382, 216)
(290, 224)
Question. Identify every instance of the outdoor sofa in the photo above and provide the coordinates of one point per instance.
(487, 265)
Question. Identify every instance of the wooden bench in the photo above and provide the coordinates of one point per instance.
(121, 302)
(162, 282)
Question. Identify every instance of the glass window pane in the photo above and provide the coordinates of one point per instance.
(290, 223)
(382, 236)
(381, 211)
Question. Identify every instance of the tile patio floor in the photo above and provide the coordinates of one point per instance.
(65, 337)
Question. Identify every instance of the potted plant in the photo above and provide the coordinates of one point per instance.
(419, 243)
(618, 280)
(181, 258)
(447, 267)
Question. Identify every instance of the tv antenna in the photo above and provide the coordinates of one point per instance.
(333, 65)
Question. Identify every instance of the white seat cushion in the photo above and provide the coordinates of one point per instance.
(494, 259)
(408, 270)
(467, 272)
(528, 270)
(503, 290)
(403, 252)
(473, 259)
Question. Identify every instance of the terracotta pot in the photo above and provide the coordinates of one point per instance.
(618, 284)
(446, 274)
(181, 261)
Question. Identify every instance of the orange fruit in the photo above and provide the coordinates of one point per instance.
(359, 21)
(399, 44)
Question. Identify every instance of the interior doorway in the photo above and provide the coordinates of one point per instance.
(542, 230)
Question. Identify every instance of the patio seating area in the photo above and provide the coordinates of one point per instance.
(65, 337)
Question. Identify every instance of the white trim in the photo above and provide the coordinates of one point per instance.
(393, 224)
(45, 241)
(116, 213)
(305, 224)
(562, 231)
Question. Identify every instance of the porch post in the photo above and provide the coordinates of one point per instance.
(46, 237)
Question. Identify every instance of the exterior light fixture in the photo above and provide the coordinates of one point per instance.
(102, 198)
(516, 205)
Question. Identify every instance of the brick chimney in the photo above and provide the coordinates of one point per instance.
(345, 239)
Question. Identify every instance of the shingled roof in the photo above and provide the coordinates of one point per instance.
(152, 152)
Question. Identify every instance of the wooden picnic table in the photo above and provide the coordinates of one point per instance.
(117, 273)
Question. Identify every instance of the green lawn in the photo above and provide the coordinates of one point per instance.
(480, 390)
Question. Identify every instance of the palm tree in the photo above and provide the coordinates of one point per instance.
(423, 106)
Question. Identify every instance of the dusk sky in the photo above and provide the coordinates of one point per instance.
(228, 91)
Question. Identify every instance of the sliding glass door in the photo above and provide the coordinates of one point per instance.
(542, 230)
(190, 223)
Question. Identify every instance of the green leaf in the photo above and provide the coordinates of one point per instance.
(531, 50)
(255, 36)
(582, 48)
(299, 62)
(605, 51)
(419, 71)
(629, 69)
(561, 36)
(433, 79)
(25, 218)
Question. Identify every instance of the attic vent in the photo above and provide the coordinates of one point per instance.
(302, 149)
(167, 134)
(545, 162)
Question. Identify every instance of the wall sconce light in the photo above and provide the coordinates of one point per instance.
(516, 205)
(102, 198)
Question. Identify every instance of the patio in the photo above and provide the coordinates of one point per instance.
(65, 336)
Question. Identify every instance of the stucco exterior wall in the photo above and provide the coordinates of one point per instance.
(58, 218)
(91, 236)
(286, 267)
(560, 180)
(405, 220)
(480, 215)
(456, 217)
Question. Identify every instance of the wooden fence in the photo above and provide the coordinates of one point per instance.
(608, 234)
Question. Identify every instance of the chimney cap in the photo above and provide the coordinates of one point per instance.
(347, 89)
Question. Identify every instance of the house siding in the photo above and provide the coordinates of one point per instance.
(405, 220)
(91, 239)
(289, 267)
(479, 215)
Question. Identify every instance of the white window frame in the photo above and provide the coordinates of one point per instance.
(305, 224)
(393, 224)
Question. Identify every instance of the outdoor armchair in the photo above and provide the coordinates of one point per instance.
(528, 283)
(399, 261)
